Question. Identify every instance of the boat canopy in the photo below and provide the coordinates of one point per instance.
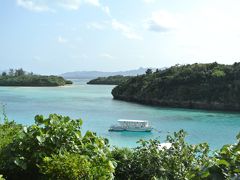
(133, 123)
(129, 120)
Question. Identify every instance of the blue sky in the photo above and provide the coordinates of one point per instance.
(56, 36)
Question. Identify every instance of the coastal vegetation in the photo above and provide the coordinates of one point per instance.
(205, 86)
(55, 148)
(110, 80)
(19, 77)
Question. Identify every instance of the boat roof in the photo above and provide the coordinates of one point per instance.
(130, 120)
(166, 145)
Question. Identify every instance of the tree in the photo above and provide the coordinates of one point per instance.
(149, 71)
(4, 74)
(19, 72)
(11, 72)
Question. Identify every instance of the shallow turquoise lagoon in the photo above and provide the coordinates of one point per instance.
(94, 104)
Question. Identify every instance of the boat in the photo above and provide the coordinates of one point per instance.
(131, 125)
(163, 146)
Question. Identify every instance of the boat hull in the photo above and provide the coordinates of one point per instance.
(131, 129)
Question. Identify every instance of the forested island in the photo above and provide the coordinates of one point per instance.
(110, 80)
(19, 77)
(210, 86)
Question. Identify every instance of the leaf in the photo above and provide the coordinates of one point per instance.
(25, 129)
(40, 139)
(238, 136)
(1, 177)
(111, 166)
(39, 119)
(223, 162)
(21, 163)
(236, 170)
(205, 174)
(79, 121)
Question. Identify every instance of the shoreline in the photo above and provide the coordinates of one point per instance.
(180, 105)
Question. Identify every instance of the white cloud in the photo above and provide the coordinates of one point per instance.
(96, 25)
(161, 21)
(33, 5)
(210, 25)
(127, 31)
(61, 40)
(36, 58)
(107, 56)
(81, 56)
(70, 4)
(210, 33)
(44, 5)
(93, 2)
(96, 3)
(106, 9)
(149, 1)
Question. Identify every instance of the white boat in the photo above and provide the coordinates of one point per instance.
(163, 146)
(131, 125)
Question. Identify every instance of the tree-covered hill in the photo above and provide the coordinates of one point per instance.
(19, 77)
(205, 86)
(110, 80)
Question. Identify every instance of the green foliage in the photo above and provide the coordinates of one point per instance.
(8, 131)
(180, 161)
(218, 73)
(207, 86)
(4, 74)
(150, 161)
(67, 166)
(54, 148)
(19, 72)
(1, 177)
(149, 71)
(75, 166)
(123, 158)
(33, 80)
(111, 80)
(49, 138)
(227, 162)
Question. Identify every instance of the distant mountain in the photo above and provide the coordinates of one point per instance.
(95, 74)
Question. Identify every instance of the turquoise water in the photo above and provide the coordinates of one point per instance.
(94, 104)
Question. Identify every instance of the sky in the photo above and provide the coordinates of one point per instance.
(57, 36)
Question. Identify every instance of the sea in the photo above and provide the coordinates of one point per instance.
(95, 105)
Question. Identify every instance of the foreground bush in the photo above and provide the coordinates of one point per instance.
(180, 161)
(8, 131)
(76, 166)
(39, 145)
(54, 148)
(66, 166)
(150, 161)
(123, 158)
(227, 161)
